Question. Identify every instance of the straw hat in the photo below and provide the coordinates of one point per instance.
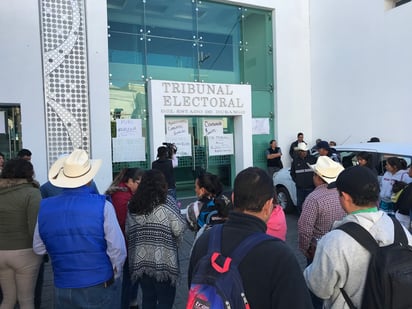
(74, 170)
(327, 169)
(302, 147)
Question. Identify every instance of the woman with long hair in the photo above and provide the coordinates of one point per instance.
(366, 159)
(154, 227)
(396, 169)
(19, 265)
(121, 191)
(211, 207)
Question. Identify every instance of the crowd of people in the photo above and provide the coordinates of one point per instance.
(332, 192)
(103, 248)
(90, 238)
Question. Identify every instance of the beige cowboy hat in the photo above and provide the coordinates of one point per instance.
(73, 170)
(327, 169)
(301, 147)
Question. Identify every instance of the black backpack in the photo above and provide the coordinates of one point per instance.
(216, 281)
(389, 277)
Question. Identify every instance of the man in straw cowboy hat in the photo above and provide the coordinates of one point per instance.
(79, 231)
(320, 209)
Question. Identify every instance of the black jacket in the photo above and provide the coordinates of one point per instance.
(404, 202)
(271, 275)
(166, 167)
(301, 173)
(276, 162)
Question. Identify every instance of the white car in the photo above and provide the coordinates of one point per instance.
(285, 186)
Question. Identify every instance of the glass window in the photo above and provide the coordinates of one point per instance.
(257, 61)
(188, 40)
(219, 45)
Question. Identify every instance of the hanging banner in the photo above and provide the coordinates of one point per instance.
(183, 144)
(128, 128)
(177, 127)
(128, 149)
(3, 123)
(220, 145)
(260, 126)
(212, 127)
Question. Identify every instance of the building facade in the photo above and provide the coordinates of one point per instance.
(218, 78)
(98, 75)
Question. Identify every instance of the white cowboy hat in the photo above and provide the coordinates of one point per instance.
(302, 147)
(74, 170)
(327, 169)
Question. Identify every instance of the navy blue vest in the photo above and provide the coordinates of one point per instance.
(276, 161)
(71, 227)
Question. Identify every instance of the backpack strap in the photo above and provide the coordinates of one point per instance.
(400, 236)
(215, 240)
(209, 216)
(206, 212)
(364, 238)
(248, 244)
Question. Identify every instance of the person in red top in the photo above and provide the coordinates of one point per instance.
(121, 191)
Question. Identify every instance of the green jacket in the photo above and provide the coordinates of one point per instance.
(19, 205)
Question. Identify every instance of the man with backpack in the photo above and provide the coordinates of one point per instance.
(265, 267)
(339, 273)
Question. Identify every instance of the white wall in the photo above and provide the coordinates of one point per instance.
(101, 145)
(21, 75)
(361, 70)
(21, 81)
(292, 60)
(292, 69)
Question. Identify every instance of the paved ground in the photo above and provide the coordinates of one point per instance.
(184, 254)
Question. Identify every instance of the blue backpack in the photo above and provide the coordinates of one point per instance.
(216, 281)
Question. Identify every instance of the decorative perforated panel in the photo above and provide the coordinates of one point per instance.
(64, 49)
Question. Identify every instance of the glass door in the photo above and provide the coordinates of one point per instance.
(10, 130)
(204, 157)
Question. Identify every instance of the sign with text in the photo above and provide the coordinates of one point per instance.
(177, 127)
(128, 128)
(197, 99)
(212, 127)
(183, 144)
(260, 126)
(127, 149)
(3, 123)
(220, 145)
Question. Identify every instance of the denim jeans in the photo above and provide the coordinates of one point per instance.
(129, 289)
(94, 297)
(39, 284)
(156, 294)
(301, 194)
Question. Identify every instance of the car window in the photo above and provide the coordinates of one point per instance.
(407, 159)
(349, 159)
